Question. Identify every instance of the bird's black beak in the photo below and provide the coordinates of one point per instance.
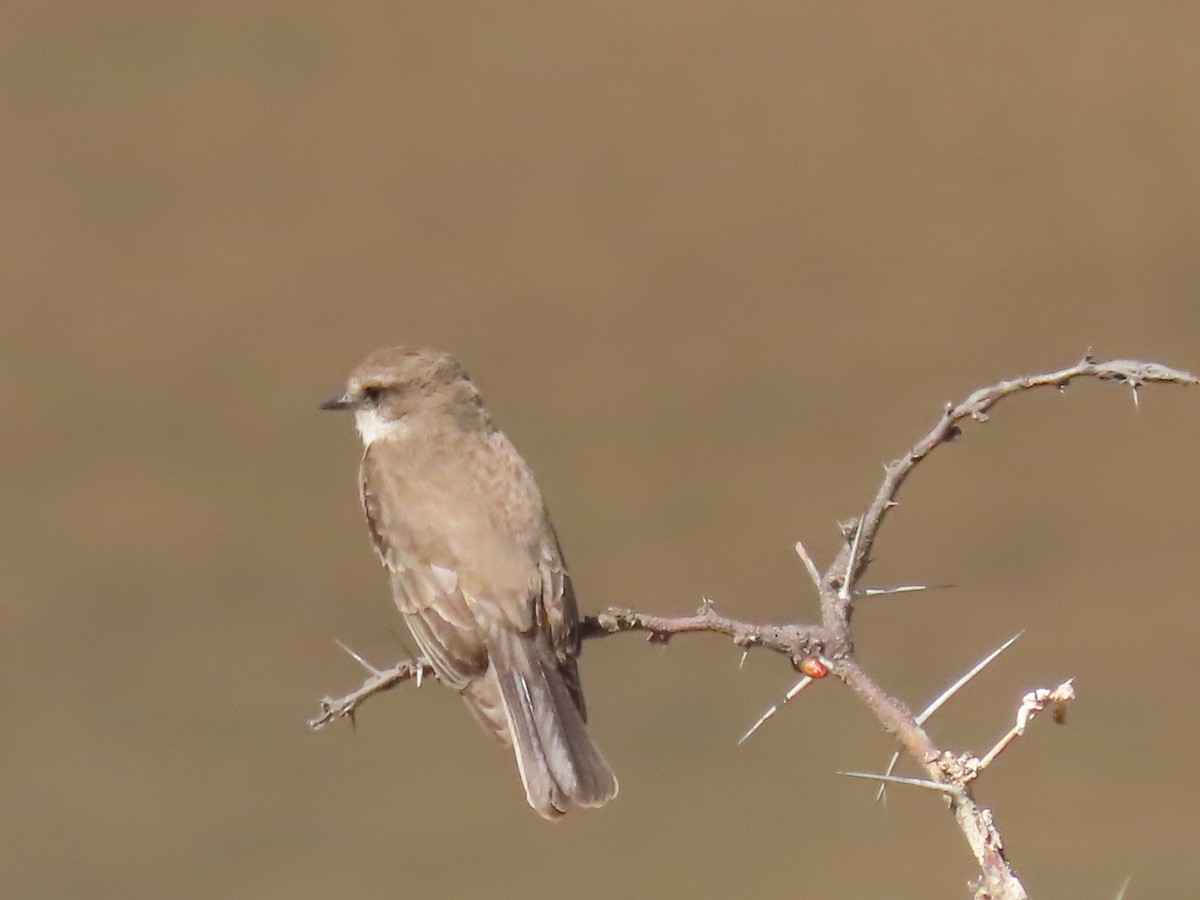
(342, 402)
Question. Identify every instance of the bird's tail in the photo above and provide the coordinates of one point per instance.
(529, 697)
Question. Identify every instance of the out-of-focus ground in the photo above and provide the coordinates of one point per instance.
(712, 264)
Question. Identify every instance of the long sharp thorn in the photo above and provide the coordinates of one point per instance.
(898, 589)
(891, 767)
(802, 552)
(362, 662)
(852, 565)
(901, 589)
(797, 687)
(1124, 887)
(792, 692)
(975, 670)
(761, 719)
(900, 779)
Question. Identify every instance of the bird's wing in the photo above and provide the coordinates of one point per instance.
(471, 553)
(442, 621)
(555, 607)
(426, 587)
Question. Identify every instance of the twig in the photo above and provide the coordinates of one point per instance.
(1124, 371)
(382, 680)
(1031, 704)
(794, 640)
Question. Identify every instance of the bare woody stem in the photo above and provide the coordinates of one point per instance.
(832, 640)
(794, 640)
(1132, 373)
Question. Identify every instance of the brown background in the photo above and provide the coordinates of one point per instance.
(712, 264)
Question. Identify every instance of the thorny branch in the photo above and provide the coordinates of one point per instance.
(831, 642)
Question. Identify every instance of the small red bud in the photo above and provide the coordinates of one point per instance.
(813, 667)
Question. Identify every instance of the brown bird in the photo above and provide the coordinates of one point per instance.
(475, 566)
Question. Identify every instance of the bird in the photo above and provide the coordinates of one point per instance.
(475, 566)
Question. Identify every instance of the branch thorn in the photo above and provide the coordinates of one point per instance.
(811, 566)
(900, 779)
(795, 689)
(852, 563)
(362, 662)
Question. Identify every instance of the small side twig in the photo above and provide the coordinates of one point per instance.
(382, 680)
(1031, 704)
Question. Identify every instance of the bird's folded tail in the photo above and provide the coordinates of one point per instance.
(559, 765)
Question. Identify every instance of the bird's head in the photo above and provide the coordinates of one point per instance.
(392, 385)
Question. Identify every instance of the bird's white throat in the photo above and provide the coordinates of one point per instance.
(372, 426)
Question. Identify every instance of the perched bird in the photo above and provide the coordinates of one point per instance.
(475, 566)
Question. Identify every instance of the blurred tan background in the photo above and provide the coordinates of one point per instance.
(712, 264)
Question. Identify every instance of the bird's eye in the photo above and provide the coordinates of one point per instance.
(371, 393)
